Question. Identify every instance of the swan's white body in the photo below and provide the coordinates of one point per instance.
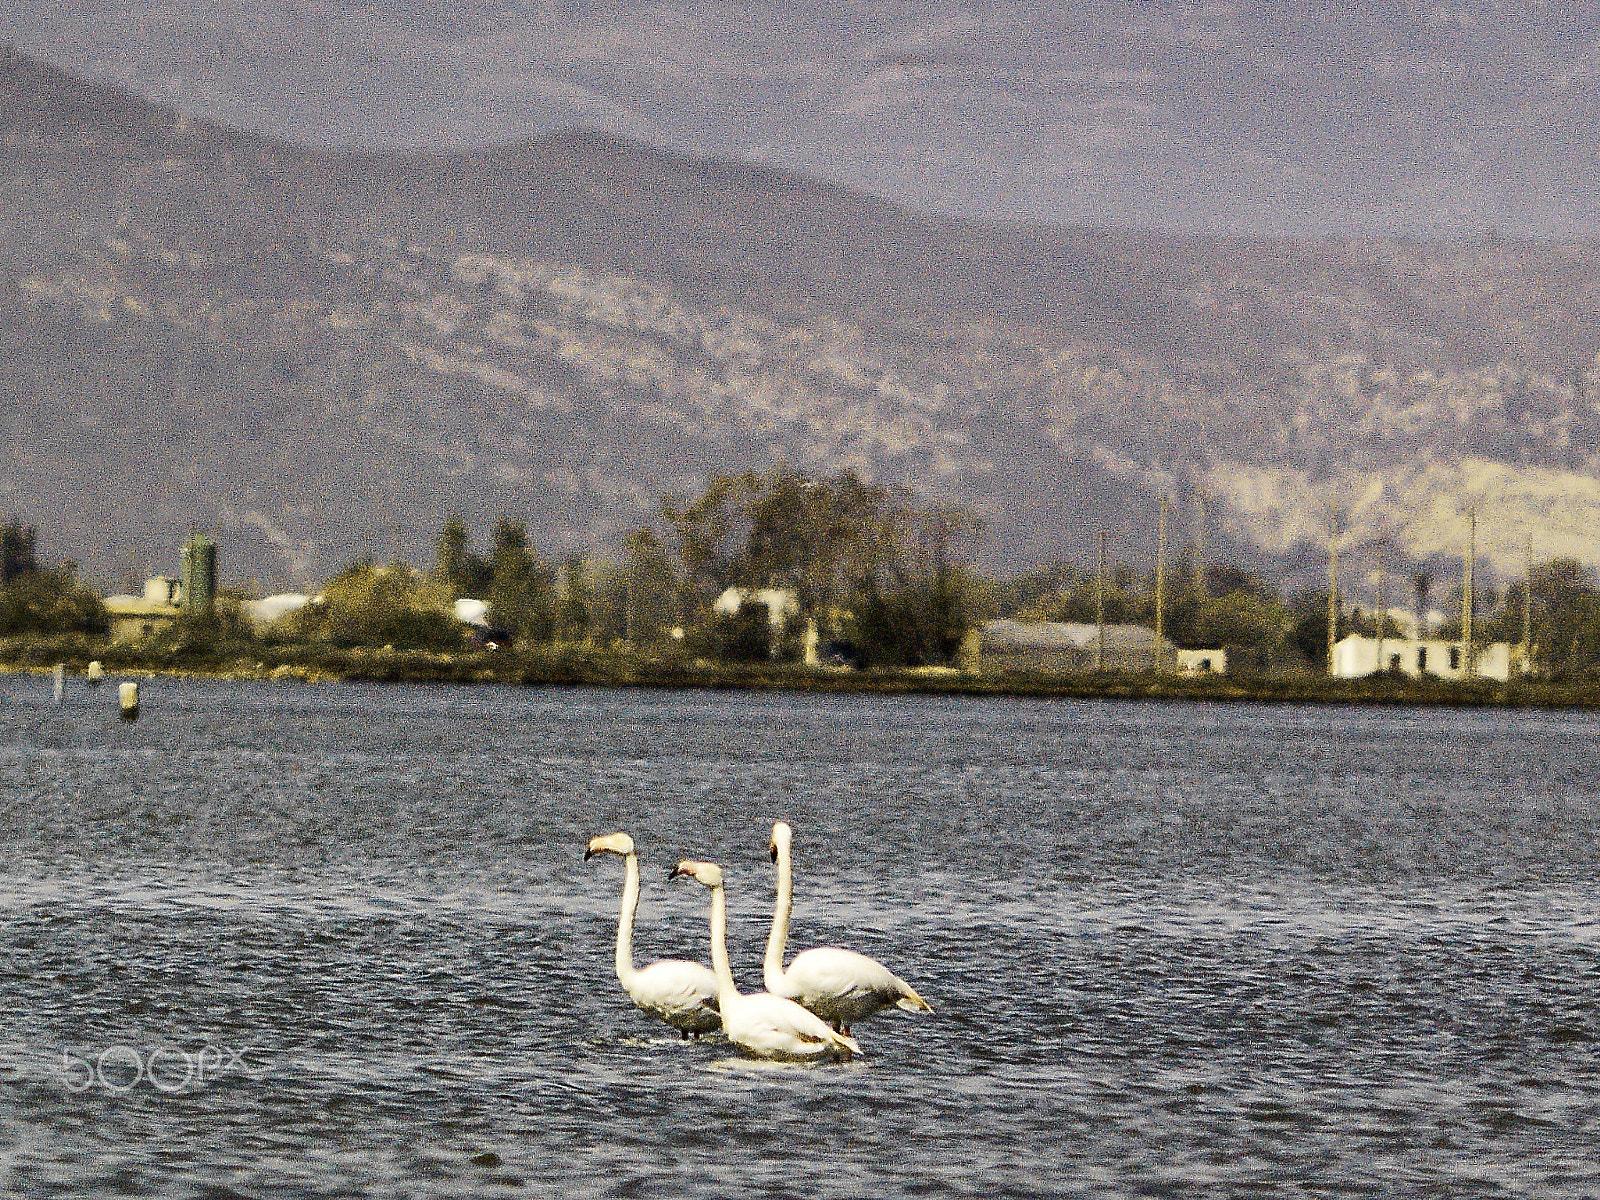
(840, 986)
(681, 993)
(762, 1025)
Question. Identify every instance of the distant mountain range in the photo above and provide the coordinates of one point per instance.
(322, 354)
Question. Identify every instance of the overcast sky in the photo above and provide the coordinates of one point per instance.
(1408, 116)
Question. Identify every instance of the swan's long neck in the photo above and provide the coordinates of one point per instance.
(726, 988)
(630, 906)
(772, 965)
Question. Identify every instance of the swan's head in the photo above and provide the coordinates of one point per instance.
(782, 836)
(707, 873)
(612, 843)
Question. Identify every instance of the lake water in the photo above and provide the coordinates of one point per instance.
(337, 940)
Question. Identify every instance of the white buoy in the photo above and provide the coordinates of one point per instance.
(59, 678)
(128, 699)
(95, 673)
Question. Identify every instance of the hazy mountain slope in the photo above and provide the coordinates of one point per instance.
(323, 354)
(1446, 117)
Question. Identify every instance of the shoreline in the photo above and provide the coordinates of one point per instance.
(592, 668)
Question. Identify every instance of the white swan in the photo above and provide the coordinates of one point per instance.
(764, 1025)
(683, 994)
(840, 986)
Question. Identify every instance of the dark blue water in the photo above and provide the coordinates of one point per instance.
(332, 940)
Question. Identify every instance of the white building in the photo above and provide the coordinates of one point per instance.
(1356, 657)
(274, 608)
(134, 618)
(1202, 662)
(472, 612)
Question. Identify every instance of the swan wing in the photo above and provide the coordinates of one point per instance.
(843, 985)
(681, 993)
(773, 1027)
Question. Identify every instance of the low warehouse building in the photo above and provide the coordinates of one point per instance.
(1068, 646)
(134, 618)
(1356, 657)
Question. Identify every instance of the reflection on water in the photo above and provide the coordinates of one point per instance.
(1181, 948)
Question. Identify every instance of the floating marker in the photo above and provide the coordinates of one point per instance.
(95, 673)
(59, 677)
(128, 699)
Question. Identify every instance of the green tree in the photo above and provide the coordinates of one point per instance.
(511, 567)
(50, 601)
(521, 593)
(915, 603)
(1222, 578)
(1126, 600)
(1241, 618)
(887, 574)
(371, 605)
(712, 537)
(809, 536)
(463, 571)
(744, 636)
(1567, 630)
(17, 551)
(1308, 627)
(644, 592)
(577, 603)
(1031, 597)
(1421, 587)
(1367, 623)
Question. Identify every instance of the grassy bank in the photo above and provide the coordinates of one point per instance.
(597, 668)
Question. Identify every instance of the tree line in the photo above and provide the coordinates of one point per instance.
(35, 598)
(1226, 606)
(879, 577)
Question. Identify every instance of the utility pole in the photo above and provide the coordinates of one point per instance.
(1467, 596)
(627, 606)
(1201, 586)
(1527, 610)
(1161, 581)
(1333, 583)
(1383, 613)
(1100, 607)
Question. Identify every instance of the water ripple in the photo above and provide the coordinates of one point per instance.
(1174, 950)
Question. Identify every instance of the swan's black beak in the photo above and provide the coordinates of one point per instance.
(675, 872)
(587, 854)
(772, 852)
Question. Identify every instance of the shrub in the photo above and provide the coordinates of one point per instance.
(367, 605)
(919, 624)
(50, 602)
(744, 636)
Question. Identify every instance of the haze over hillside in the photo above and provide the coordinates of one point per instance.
(322, 353)
(1412, 117)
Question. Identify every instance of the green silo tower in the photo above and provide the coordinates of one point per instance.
(199, 574)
